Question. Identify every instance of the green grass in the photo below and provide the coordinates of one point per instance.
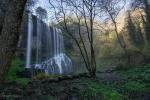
(99, 91)
(135, 86)
(136, 79)
(23, 81)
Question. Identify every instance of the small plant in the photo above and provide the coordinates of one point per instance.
(23, 81)
(40, 76)
(147, 66)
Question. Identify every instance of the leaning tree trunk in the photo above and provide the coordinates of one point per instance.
(10, 34)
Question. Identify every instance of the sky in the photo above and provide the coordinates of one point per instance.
(45, 4)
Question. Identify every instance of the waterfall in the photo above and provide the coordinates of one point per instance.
(48, 48)
(29, 41)
(38, 44)
(59, 62)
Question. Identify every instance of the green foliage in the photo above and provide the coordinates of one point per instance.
(135, 86)
(105, 50)
(117, 51)
(136, 79)
(135, 73)
(112, 95)
(99, 91)
(11, 75)
(15, 66)
(22, 81)
(107, 64)
(147, 66)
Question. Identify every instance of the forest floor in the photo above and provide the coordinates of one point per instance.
(129, 84)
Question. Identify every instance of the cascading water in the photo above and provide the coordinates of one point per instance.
(46, 45)
(29, 41)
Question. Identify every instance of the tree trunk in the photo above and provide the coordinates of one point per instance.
(10, 35)
(92, 73)
(3, 9)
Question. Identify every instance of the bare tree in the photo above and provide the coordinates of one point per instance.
(80, 10)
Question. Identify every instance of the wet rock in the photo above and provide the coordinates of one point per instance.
(38, 97)
(30, 92)
(17, 91)
(50, 80)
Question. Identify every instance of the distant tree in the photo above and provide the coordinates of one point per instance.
(41, 13)
(135, 33)
(145, 5)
